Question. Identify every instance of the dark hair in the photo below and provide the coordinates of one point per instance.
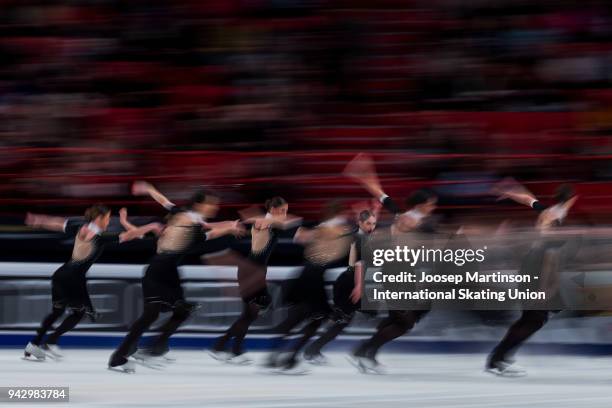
(95, 211)
(200, 196)
(365, 215)
(275, 202)
(563, 193)
(420, 197)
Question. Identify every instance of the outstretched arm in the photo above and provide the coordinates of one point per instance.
(139, 232)
(144, 188)
(154, 227)
(510, 189)
(45, 221)
(123, 218)
(220, 224)
(527, 199)
(226, 228)
(362, 170)
(261, 223)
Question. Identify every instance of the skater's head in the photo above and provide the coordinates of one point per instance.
(424, 201)
(204, 202)
(277, 207)
(98, 214)
(367, 221)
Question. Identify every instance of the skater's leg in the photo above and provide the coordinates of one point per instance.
(307, 333)
(296, 315)
(181, 312)
(398, 324)
(362, 349)
(386, 335)
(530, 322)
(239, 329)
(68, 324)
(330, 334)
(242, 327)
(128, 345)
(47, 323)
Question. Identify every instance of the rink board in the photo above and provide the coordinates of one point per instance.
(116, 294)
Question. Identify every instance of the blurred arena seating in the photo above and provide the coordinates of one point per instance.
(274, 97)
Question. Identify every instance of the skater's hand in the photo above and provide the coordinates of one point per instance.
(263, 223)
(32, 220)
(123, 214)
(237, 229)
(36, 220)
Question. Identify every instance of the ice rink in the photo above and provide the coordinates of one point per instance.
(413, 380)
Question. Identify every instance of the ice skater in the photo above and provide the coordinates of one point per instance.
(347, 291)
(326, 246)
(185, 231)
(542, 259)
(69, 282)
(265, 232)
(417, 218)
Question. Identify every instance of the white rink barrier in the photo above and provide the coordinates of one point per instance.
(25, 297)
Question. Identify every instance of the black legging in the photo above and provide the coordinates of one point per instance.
(239, 329)
(68, 324)
(530, 322)
(296, 315)
(330, 334)
(149, 315)
(392, 327)
(309, 330)
(159, 346)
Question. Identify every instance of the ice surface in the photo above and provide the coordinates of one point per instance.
(413, 380)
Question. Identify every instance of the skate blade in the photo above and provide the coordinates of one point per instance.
(364, 369)
(505, 373)
(378, 369)
(303, 371)
(218, 357)
(33, 359)
(54, 358)
(266, 371)
(239, 363)
(153, 366)
(374, 371)
(355, 363)
(122, 370)
(318, 363)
